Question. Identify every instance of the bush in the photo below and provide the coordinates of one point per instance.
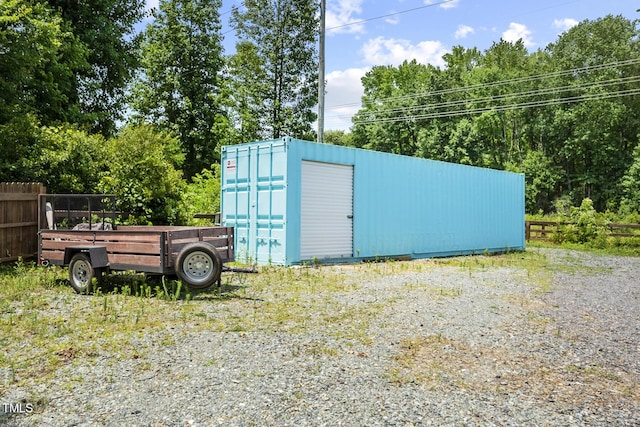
(584, 227)
(69, 160)
(630, 185)
(143, 173)
(202, 194)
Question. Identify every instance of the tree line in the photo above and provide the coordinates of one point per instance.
(90, 104)
(567, 116)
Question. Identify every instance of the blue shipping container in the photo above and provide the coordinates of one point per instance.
(294, 201)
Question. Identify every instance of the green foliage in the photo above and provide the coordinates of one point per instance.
(144, 174)
(584, 227)
(465, 145)
(541, 179)
(18, 140)
(40, 58)
(106, 29)
(64, 158)
(68, 160)
(202, 194)
(67, 61)
(630, 186)
(247, 86)
(337, 137)
(278, 41)
(182, 62)
(389, 94)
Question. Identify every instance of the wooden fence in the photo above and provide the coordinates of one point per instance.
(544, 230)
(19, 220)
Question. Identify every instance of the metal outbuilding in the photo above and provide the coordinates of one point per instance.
(294, 201)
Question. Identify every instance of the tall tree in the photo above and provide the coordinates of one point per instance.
(39, 58)
(594, 139)
(283, 33)
(630, 186)
(182, 64)
(247, 83)
(395, 101)
(502, 62)
(107, 29)
(143, 171)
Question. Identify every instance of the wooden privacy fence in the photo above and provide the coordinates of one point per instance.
(19, 220)
(544, 230)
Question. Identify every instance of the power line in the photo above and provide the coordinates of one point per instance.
(506, 96)
(488, 85)
(412, 112)
(362, 21)
(544, 103)
(389, 14)
(458, 107)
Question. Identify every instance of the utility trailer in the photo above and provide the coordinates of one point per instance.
(79, 231)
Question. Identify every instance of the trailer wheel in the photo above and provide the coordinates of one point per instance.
(199, 265)
(81, 273)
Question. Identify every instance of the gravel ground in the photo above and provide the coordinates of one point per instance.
(442, 344)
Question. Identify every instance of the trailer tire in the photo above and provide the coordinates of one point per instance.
(199, 265)
(81, 273)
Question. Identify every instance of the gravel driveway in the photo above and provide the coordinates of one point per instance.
(470, 341)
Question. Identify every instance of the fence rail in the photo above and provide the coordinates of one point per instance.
(544, 230)
(19, 220)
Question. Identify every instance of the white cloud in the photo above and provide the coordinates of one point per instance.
(564, 24)
(463, 31)
(381, 51)
(393, 20)
(448, 4)
(516, 32)
(343, 97)
(341, 13)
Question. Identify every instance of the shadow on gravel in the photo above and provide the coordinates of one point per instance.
(223, 293)
(157, 286)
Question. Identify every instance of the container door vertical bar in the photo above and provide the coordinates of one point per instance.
(252, 207)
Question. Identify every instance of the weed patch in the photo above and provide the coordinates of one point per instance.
(444, 364)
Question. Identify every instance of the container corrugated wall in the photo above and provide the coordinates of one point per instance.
(401, 206)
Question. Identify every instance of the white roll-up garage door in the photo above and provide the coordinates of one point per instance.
(326, 224)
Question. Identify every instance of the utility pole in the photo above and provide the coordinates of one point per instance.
(323, 6)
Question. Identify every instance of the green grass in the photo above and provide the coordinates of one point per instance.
(45, 326)
(612, 246)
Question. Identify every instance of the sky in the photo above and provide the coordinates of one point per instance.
(361, 34)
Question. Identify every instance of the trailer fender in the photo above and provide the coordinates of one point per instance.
(97, 255)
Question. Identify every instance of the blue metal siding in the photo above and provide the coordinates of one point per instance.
(401, 205)
(418, 207)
